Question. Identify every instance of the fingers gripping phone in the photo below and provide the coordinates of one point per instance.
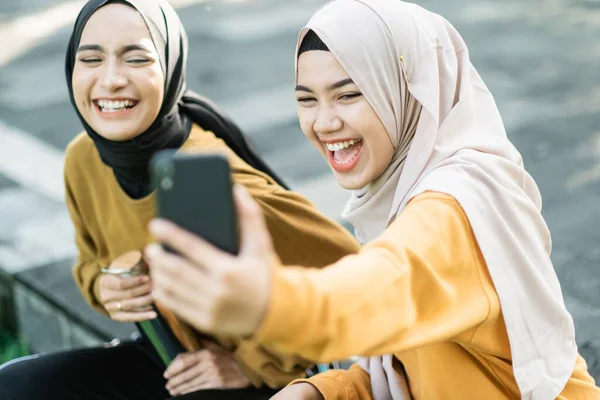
(195, 192)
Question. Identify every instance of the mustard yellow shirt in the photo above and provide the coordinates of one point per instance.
(422, 292)
(108, 224)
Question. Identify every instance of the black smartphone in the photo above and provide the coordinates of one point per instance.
(195, 192)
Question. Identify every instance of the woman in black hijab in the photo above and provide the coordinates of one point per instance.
(180, 107)
(125, 71)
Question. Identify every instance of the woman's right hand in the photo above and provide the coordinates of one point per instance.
(127, 299)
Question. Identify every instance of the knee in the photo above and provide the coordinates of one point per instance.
(11, 367)
(15, 376)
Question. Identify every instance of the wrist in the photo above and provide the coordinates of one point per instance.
(96, 289)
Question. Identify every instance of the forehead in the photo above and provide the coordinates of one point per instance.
(115, 23)
(318, 66)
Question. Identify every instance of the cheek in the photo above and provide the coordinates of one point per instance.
(318, 145)
(154, 92)
(150, 85)
(158, 89)
(82, 83)
(157, 102)
(382, 150)
(306, 117)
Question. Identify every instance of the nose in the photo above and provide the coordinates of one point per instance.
(327, 120)
(112, 77)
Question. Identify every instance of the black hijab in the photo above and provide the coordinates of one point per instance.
(129, 159)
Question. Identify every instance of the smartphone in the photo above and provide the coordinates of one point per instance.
(194, 191)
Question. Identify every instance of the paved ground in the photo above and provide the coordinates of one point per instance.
(539, 58)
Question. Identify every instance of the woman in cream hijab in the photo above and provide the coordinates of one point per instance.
(453, 295)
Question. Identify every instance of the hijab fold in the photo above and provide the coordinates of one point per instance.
(414, 69)
(129, 159)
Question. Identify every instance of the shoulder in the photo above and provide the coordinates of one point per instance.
(435, 205)
(257, 182)
(80, 149)
(200, 139)
(82, 161)
(434, 200)
(431, 217)
(431, 198)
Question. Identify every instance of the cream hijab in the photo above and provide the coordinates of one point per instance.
(460, 148)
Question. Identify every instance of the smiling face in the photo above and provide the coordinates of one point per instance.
(118, 84)
(340, 122)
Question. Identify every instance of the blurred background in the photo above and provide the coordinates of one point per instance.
(540, 59)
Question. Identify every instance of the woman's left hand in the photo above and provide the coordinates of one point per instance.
(215, 291)
(209, 368)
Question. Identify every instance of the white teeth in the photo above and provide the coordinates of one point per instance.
(112, 106)
(341, 145)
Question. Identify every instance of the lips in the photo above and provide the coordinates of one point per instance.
(344, 155)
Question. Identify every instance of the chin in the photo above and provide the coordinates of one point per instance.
(348, 182)
(117, 134)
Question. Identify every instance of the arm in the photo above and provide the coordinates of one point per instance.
(86, 269)
(301, 236)
(417, 284)
(263, 365)
(351, 384)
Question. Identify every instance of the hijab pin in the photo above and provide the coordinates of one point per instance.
(401, 58)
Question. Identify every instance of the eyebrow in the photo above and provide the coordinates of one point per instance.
(123, 50)
(336, 85)
(85, 47)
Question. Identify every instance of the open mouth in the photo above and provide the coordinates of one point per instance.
(344, 152)
(344, 155)
(112, 106)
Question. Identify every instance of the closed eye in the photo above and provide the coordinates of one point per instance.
(305, 99)
(138, 61)
(90, 60)
(350, 96)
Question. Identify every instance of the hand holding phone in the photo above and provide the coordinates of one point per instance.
(214, 291)
(194, 191)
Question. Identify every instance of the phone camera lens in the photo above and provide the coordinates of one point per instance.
(166, 183)
(164, 168)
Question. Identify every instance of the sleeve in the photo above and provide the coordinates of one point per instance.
(86, 269)
(265, 366)
(351, 384)
(417, 284)
(581, 385)
(301, 236)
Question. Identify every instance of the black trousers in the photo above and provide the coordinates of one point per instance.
(129, 371)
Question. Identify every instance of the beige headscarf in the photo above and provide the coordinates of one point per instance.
(460, 148)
